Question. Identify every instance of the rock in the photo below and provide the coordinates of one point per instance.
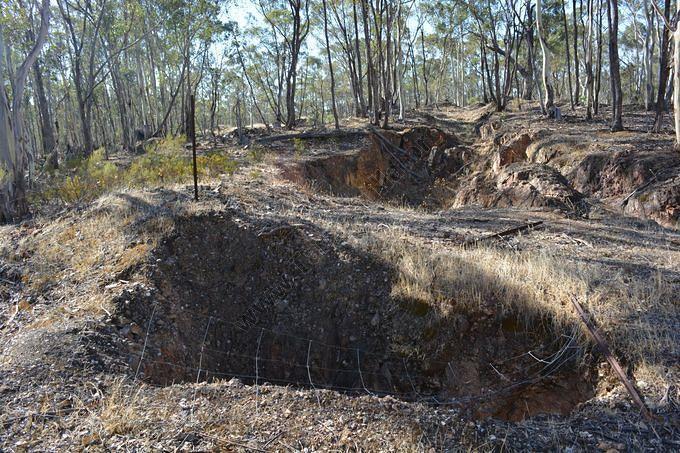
(535, 185)
(136, 329)
(513, 151)
(234, 383)
(419, 140)
(586, 176)
(611, 447)
(620, 173)
(547, 146)
(660, 202)
(143, 132)
(435, 158)
(139, 147)
(487, 129)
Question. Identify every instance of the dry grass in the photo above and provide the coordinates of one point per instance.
(72, 258)
(196, 418)
(639, 316)
(125, 412)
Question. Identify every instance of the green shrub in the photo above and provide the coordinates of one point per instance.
(166, 163)
(300, 147)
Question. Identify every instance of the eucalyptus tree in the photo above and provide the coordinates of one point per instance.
(614, 70)
(13, 147)
(664, 68)
(330, 65)
(546, 77)
(289, 21)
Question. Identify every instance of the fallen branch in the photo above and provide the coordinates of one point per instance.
(504, 233)
(312, 135)
(604, 348)
(391, 145)
(451, 124)
(638, 190)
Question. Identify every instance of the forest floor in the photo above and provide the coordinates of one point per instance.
(344, 292)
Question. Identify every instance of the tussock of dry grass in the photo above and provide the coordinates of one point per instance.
(74, 256)
(638, 316)
(125, 411)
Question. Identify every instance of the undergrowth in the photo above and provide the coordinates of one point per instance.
(83, 180)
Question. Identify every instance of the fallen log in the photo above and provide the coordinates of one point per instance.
(450, 124)
(504, 233)
(390, 148)
(604, 348)
(313, 135)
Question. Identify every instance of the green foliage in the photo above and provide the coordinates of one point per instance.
(299, 147)
(3, 173)
(256, 154)
(84, 180)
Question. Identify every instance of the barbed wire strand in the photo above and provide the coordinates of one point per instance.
(309, 374)
(146, 339)
(200, 365)
(361, 376)
(257, 374)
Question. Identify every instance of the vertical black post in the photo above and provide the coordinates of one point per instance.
(192, 122)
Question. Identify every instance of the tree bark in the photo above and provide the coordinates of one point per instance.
(577, 88)
(300, 30)
(13, 159)
(676, 81)
(360, 74)
(529, 32)
(615, 74)
(330, 64)
(46, 129)
(547, 84)
(425, 77)
(589, 62)
(650, 43)
(664, 70)
(598, 64)
(566, 38)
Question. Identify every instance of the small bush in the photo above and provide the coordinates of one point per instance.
(167, 162)
(299, 147)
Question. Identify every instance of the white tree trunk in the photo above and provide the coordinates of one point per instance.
(8, 151)
(589, 62)
(676, 82)
(547, 73)
(13, 154)
(650, 43)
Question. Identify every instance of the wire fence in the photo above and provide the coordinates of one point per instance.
(314, 364)
(359, 371)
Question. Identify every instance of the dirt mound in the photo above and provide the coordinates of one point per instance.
(645, 185)
(618, 174)
(660, 202)
(520, 185)
(268, 303)
(535, 185)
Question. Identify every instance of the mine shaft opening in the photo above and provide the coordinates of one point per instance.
(274, 303)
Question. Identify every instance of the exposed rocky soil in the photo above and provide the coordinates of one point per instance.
(321, 298)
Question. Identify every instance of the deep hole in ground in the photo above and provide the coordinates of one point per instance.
(238, 298)
(407, 167)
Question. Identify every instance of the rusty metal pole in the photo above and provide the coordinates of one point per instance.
(193, 142)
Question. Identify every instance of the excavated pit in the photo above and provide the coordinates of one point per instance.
(395, 166)
(289, 305)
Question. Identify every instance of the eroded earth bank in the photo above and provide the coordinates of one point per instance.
(350, 291)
